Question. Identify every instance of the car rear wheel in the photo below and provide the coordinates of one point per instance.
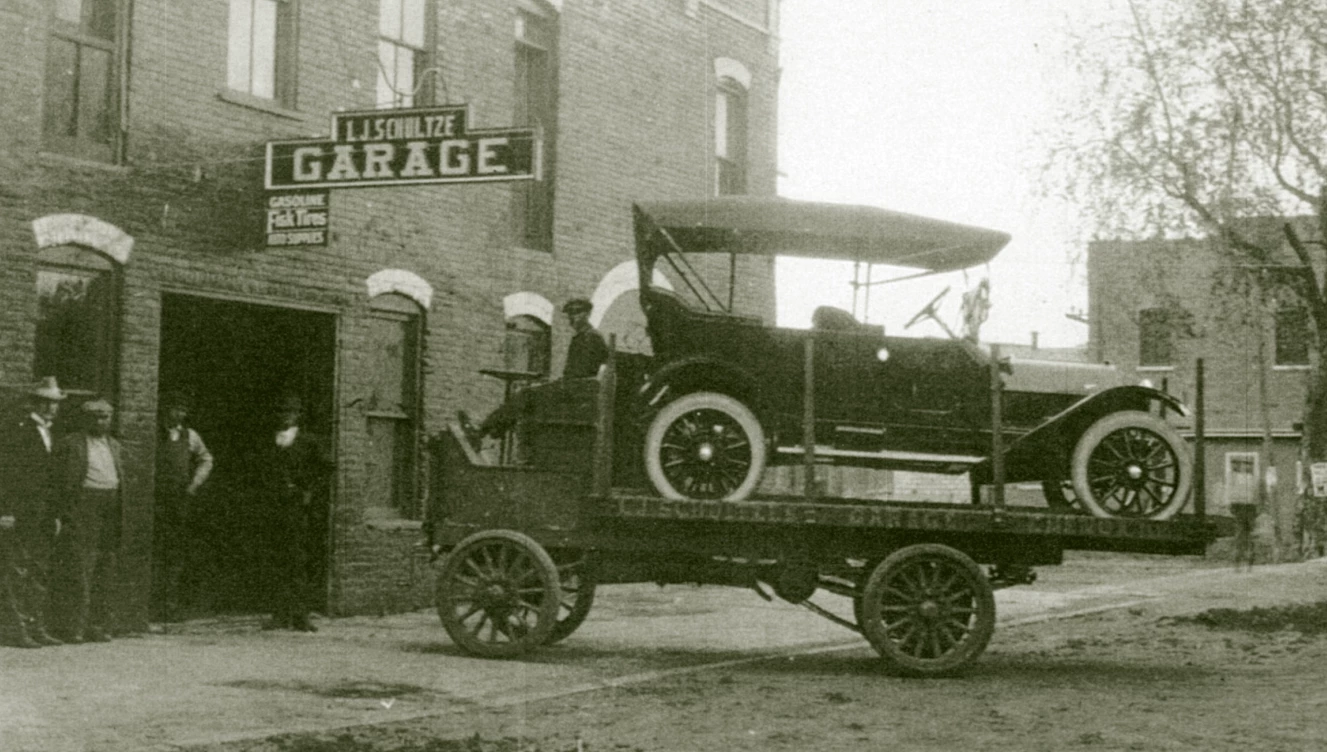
(1131, 464)
(705, 445)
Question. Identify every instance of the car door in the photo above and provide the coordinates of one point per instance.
(930, 394)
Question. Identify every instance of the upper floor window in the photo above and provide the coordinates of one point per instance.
(76, 314)
(80, 114)
(536, 98)
(402, 53)
(730, 137)
(260, 58)
(1155, 344)
(1292, 336)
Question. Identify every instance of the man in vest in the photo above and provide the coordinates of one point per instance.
(183, 466)
(27, 519)
(90, 481)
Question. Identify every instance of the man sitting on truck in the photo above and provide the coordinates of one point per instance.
(585, 354)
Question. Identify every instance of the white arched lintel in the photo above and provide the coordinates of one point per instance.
(726, 67)
(81, 229)
(530, 304)
(622, 278)
(403, 282)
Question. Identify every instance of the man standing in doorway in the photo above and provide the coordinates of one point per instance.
(294, 468)
(90, 483)
(28, 524)
(183, 466)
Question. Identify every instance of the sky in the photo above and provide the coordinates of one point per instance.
(930, 107)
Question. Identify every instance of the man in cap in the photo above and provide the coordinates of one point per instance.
(90, 482)
(293, 468)
(585, 354)
(587, 351)
(183, 466)
(27, 518)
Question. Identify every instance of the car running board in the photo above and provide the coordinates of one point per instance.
(945, 463)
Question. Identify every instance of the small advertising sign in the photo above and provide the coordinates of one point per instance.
(402, 147)
(1318, 476)
(297, 218)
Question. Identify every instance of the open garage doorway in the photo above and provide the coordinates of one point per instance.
(235, 361)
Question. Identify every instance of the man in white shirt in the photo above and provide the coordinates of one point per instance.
(183, 466)
(27, 518)
(91, 480)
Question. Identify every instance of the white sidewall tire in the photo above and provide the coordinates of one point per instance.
(704, 401)
(1098, 431)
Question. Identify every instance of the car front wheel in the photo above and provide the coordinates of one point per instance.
(1131, 464)
(705, 445)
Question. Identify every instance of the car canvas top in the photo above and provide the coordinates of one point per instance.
(784, 227)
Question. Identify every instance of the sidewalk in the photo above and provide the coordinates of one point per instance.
(224, 679)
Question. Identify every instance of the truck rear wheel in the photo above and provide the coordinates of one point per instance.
(928, 610)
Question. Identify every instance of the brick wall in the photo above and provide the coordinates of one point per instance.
(636, 89)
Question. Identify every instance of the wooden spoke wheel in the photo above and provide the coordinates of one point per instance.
(498, 594)
(576, 592)
(1132, 464)
(928, 610)
(705, 445)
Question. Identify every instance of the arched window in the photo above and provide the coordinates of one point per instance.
(77, 311)
(730, 127)
(527, 346)
(392, 406)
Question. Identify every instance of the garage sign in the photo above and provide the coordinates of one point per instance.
(418, 145)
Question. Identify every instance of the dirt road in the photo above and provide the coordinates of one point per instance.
(1097, 654)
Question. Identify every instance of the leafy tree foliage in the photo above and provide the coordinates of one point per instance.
(1208, 117)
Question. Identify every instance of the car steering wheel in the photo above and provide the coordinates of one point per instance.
(928, 311)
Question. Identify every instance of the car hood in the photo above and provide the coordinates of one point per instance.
(1060, 377)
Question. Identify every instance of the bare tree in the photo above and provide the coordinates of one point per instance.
(1198, 116)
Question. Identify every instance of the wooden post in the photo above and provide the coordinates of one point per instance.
(603, 434)
(997, 431)
(809, 419)
(1199, 448)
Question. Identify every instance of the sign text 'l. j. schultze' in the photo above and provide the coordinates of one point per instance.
(396, 147)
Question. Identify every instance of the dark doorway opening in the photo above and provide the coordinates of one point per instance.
(236, 361)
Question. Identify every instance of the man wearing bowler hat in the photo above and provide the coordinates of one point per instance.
(90, 482)
(293, 469)
(28, 524)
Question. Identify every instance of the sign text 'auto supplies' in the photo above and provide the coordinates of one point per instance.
(400, 147)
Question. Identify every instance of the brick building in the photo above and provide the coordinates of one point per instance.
(133, 213)
(1156, 306)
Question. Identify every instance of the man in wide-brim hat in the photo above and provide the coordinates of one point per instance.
(27, 517)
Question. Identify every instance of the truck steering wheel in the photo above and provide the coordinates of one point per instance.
(928, 312)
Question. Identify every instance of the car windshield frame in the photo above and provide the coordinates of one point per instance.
(772, 226)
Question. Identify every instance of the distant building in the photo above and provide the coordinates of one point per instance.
(1156, 306)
